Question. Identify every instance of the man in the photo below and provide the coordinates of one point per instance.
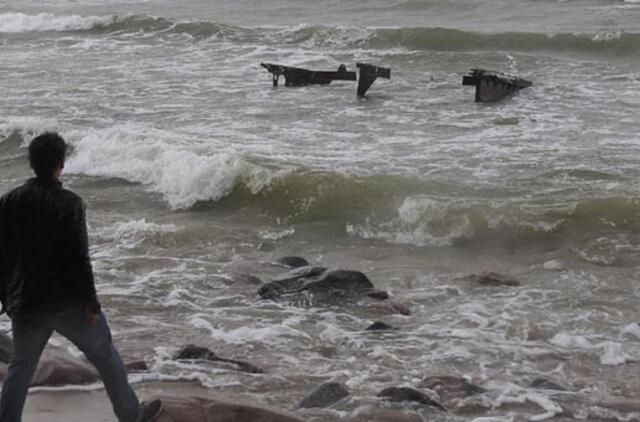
(46, 285)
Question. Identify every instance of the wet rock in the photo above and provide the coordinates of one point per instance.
(378, 295)
(321, 285)
(380, 326)
(198, 409)
(58, 370)
(545, 384)
(133, 365)
(192, 351)
(292, 262)
(325, 395)
(6, 347)
(401, 394)
(386, 416)
(451, 389)
(491, 278)
(290, 283)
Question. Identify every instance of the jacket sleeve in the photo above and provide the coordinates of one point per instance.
(77, 248)
(3, 260)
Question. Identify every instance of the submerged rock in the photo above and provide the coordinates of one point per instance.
(491, 278)
(292, 262)
(400, 394)
(545, 384)
(451, 389)
(133, 365)
(191, 351)
(325, 395)
(380, 326)
(198, 409)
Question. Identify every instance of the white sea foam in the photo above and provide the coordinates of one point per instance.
(553, 265)
(571, 341)
(273, 335)
(275, 235)
(632, 330)
(551, 408)
(26, 127)
(131, 233)
(163, 163)
(20, 22)
(613, 354)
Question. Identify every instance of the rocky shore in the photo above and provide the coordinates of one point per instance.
(62, 378)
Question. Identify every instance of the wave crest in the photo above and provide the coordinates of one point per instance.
(20, 22)
(155, 159)
(443, 39)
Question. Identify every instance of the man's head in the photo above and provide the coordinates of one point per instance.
(46, 155)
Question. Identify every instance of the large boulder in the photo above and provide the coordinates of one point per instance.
(380, 326)
(198, 409)
(58, 370)
(194, 352)
(451, 390)
(317, 286)
(325, 395)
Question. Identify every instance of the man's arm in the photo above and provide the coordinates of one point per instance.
(77, 253)
(3, 259)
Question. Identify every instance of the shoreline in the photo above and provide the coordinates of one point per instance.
(66, 405)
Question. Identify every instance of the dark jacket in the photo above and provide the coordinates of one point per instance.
(44, 254)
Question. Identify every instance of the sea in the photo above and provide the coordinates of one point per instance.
(198, 175)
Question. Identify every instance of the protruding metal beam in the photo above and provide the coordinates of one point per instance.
(295, 76)
(368, 75)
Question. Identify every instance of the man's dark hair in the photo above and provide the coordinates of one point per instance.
(46, 154)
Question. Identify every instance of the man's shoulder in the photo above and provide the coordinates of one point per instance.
(56, 193)
(70, 200)
(69, 195)
(8, 196)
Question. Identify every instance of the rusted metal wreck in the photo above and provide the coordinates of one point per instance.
(295, 76)
(493, 86)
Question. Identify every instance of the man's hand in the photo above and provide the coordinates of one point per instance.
(93, 318)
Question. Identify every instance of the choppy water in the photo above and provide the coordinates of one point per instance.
(196, 171)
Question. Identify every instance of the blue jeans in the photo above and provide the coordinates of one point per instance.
(30, 336)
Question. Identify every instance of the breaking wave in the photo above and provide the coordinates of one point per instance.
(415, 38)
(153, 159)
(20, 22)
(441, 39)
(47, 22)
(387, 208)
